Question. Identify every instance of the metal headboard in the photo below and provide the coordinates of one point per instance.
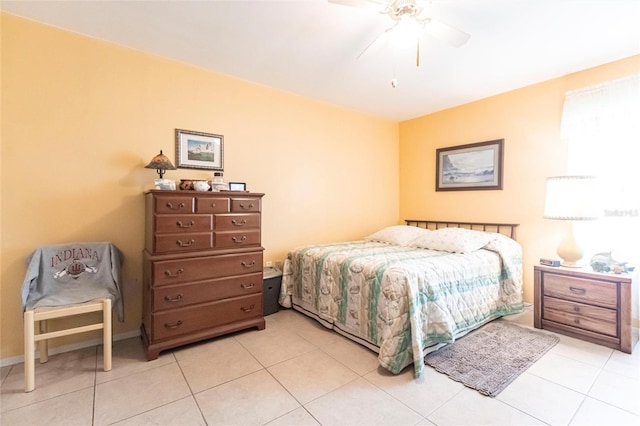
(508, 229)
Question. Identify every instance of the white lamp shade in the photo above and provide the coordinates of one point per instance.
(572, 198)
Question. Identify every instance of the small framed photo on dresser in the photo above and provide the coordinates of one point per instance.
(237, 186)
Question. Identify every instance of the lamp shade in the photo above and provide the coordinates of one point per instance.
(572, 198)
(161, 163)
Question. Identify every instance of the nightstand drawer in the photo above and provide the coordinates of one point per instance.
(592, 306)
(600, 293)
(587, 317)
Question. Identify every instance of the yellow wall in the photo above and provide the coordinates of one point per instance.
(81, 118)
(528, 119)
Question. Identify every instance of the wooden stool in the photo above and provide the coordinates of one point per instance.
(41, 315)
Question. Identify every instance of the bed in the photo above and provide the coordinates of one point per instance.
(407, 290)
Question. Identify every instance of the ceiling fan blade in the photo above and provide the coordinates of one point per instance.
(445, 32)
(381, 35)
(375, 5)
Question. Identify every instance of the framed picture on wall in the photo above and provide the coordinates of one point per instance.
(198, 150)
(475, 166)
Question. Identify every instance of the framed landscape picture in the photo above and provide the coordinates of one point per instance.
(476, 166)
(198, 150)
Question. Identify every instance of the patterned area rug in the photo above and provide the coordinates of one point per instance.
(491, 357)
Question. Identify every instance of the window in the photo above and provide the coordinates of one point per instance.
(602, 126)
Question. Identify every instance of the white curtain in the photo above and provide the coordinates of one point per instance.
(602, 126)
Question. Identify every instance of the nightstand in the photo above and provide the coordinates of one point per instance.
(592, 306)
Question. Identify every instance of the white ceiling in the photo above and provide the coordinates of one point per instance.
(310, 47)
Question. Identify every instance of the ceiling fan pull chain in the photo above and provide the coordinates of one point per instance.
(394, 81)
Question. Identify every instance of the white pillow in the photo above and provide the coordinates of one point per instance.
(400, 235)
(453, 240)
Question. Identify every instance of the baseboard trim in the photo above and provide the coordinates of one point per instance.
(68, 348)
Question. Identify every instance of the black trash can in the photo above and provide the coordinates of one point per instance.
(272, 279)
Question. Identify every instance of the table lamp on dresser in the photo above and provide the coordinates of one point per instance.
(161, 164)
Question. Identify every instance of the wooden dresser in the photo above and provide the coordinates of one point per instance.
(591, 306)
(202, 266)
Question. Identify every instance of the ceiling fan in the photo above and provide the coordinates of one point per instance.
(410, 24)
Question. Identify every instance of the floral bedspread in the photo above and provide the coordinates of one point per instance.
(404, 300)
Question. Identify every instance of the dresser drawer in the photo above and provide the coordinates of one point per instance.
(236, 221)
(241, 205)
(171, 243)
(176, 296)
(587, 317)
(593, 292)
(236, 239)
(173, 224)
(212, 205)
(180, 321)
(174, 204)
(167, 272)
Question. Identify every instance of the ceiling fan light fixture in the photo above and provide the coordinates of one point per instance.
(402, 8)
(405, 32)
(411, 24)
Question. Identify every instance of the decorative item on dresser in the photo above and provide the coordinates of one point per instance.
(202, 269)
(592, 306)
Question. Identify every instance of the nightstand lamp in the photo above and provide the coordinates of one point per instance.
(571, 198)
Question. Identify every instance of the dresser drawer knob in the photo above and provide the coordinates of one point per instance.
(239, 240)
(247, 286)
(249, 309)
(174, 325)
(239, 223)
(180, 206)
(576, 308)
(187, 244)
(185, 225)
(246, 207)
(578, 290)
(576, 321)
(249, 265)
(177, 274)
(174, 299)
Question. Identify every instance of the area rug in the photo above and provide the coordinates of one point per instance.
(491, 357)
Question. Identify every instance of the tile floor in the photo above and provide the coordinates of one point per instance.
(297, 373)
